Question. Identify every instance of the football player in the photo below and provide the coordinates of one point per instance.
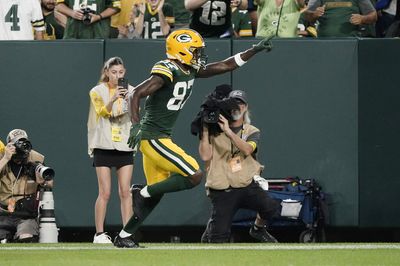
(167, 167)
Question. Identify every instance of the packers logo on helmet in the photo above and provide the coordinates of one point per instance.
(183, 37)
(187, 46)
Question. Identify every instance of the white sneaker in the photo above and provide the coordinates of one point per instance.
(102, 239)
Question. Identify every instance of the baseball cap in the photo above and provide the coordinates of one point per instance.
(238, 94)
(16, 134)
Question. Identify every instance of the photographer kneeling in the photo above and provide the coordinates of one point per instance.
(231, 166)
(21, 171)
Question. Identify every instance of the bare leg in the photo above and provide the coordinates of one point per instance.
(259, 221)
(124, 181)
(100, 209)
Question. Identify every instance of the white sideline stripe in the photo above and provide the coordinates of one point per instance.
(215, 247)
(171, 156)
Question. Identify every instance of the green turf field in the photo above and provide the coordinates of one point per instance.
(198, 254)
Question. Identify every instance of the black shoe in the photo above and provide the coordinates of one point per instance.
(135, 186)
(126, 242)
(262, 235)
(138, 201)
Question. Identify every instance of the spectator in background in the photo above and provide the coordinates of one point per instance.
(306, 28)
(108, 132)
(88, 19)
(387, 10)
(394, 28)
(123, 17)
(212, 18)
(54, 21)
(241, 22)
(18, 18)
(278, 17)
(182, 16)
(154, 19)
(340, 18)
(252, 9)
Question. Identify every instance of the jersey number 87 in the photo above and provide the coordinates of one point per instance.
(180, 89)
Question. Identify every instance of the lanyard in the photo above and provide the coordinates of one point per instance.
(234, 153)
(15, 182)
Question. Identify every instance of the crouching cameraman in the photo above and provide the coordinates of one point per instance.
(21, 171)
(231, 166)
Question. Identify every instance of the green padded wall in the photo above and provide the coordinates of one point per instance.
(322, 113)
(303, 96)
(44, 90)
(379, 139)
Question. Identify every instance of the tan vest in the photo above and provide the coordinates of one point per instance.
(22, 186)
(99, 128)
(219, 172)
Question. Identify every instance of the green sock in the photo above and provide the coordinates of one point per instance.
(174, 182)
(133, 224)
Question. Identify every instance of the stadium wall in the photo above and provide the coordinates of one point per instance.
(322, 113)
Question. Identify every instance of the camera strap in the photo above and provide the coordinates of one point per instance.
(11, 201)
(234, 153)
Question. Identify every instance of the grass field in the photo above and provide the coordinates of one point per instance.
(199, 254)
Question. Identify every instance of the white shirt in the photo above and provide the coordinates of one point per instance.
(18, 19)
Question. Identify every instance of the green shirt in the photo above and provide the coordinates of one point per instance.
(76, 29)
(164, 105)
(268, 18)
(241, 22)
(336, 20)
(182, 16)
(152, 26)
(53, 29)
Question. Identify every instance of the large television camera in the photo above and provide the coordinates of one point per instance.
(216, 103)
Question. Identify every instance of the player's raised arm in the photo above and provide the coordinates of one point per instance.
(233, 62)
(144, 89)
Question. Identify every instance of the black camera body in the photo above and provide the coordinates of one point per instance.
(22, 149)
(87, 15)
(216, 103)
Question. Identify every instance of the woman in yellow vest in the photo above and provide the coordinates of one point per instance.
(108, 132)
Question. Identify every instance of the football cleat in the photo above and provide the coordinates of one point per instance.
(125, 242)
(262, 235)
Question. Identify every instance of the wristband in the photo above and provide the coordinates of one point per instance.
(101, 17)
(238, 60)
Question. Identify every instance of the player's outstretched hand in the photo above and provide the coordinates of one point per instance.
(134, 135)
(264, 44)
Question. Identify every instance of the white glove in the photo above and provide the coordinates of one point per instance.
(262, 182)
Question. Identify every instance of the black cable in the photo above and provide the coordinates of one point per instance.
(279, 19)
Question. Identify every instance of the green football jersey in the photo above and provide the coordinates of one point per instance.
(163, 106)
(76, 29)
(151, 23)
